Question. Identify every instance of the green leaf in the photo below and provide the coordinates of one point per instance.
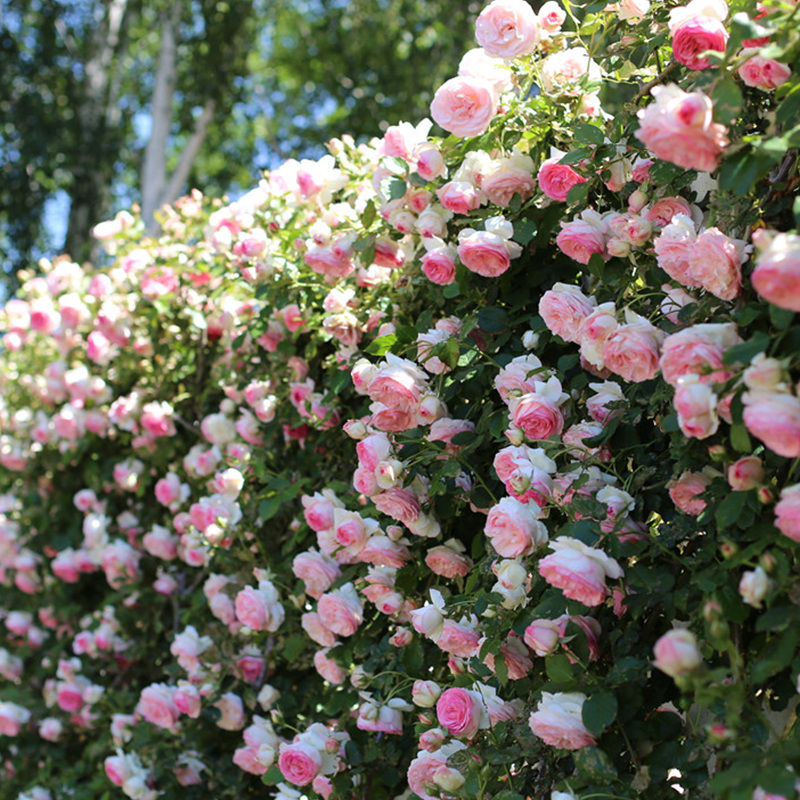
(524, 231)
(272, 776)
(727, 99)
(370, 212)
(269, 507)
(578, 194)
(594, 764)
(576, 156)
(741, 171)
(776, 619)
(451, 290)
(599, 711)
(781, 318)
(353, 754)
(395, 165)
(393, 188)
(382, 345)
(492, 319)
(558, 668)
(626, 670)
(365, 242)
(730, 509)
(740, 438)
(294, 646)
(789, 109)
(588, 134)
(746, 351)
(507, 794)
(449, 352)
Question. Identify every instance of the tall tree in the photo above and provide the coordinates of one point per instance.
(114, 101)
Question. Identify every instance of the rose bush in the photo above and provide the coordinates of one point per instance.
(502, 425)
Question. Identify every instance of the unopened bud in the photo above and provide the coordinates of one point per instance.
(765, 495)
(728, 549)
(637, 201)
(717, 452)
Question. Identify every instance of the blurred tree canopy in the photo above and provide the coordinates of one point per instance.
(93, 111)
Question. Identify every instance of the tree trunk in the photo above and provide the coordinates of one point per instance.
(154, 165)
(93, 159)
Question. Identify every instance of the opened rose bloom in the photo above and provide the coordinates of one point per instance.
(579, 571)
(558, 721)
(679, 128)
(507, 28)
(776, 277)
(465, 106)
(461, 712)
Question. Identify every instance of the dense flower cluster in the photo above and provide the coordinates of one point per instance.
(458, 468)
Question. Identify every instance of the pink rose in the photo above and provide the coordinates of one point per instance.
(328, 669)
(507, 28)
(551, 16)
(459, 639)
(544, 635)
(776, 277)
(581, 239)
(513, 529)
(317, 571)
(556, 179)
(259, 609)
(676, 653)
(421, 773)
(187, 700)
(312, 624)
(460, 197)
(341, 610)
(696, 35)
(397, 384)
(775, 420)
(558, 721)
(787, 513)
(679, 128)
(502, 184)
(579, 571)
(464, 106)
(595, 331)
(459, 711)
(117, 769)
(632, 352)
(563, 309)
(448, 562)
(299, 763)
(763, 73)
(439, 265)
(696, 405)
(485, 253)
(698, 350)
(157, 706)
(538, 416)
(686, 492)
(715, 264)
(746, 473)
(661, 213)
(399, 504)
(334, 260)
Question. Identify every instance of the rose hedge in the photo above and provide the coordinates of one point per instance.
(459, 468)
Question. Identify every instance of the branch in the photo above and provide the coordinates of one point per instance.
(181, 172)
(658, 79)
